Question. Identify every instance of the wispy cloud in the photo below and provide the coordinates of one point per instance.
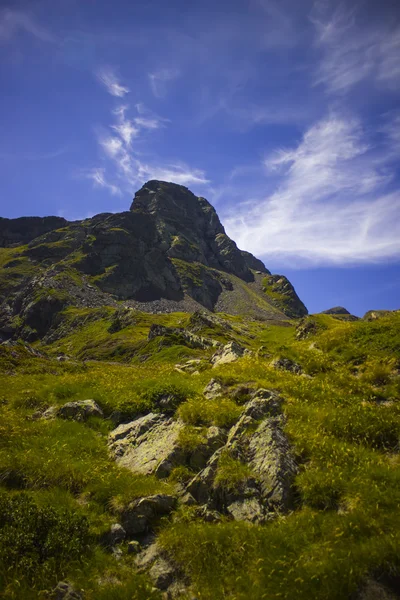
(351, 53)
(108, 78)
(97, 175)
(332, 204)
(13, 21)
(159, 81)
(34, 155)
(126, 167)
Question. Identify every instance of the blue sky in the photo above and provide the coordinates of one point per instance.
(285, 114)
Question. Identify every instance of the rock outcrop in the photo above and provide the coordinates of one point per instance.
(170, 252)
(258, 442)
(148, 445)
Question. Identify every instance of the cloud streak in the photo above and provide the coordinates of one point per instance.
(13, 21)
(126, 167)
(97, 175)
(332, 204)
(108, 78)
(351, 53)
(159, 81)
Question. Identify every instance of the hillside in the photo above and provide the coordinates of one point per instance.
(174, 425)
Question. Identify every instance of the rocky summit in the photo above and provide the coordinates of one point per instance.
(174, 425)
(168, 253)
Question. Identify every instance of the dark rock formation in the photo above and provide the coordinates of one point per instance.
(283, 295)
(336, 310)
(17, 232)
(170, 252)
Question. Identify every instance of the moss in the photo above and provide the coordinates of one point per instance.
(191, 271)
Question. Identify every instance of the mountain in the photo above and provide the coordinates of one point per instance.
(173, 425)
(168, 253)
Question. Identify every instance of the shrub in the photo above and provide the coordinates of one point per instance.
(37, 543)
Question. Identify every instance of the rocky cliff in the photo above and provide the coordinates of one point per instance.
(169, 252)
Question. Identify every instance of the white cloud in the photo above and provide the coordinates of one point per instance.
(107, 77)
(351, 54)
(127, 166)
(12, 21)
(331, 205)
(159, 80)
(97, 175)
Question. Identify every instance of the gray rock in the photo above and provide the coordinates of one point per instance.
(116, 535)
(258, 440)
(80, 410)
(214, 389)
(228, 353)
(306, 328)
(192, 366)
(141, 514)
(285, 364)
(162, 573)
(148, 445)
(49, 413)
(64, 591)
(134, 547)
(181, 336)
(374, 590)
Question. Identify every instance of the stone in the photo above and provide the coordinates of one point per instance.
(64, 591)
(162, 573)
(148, 445)
(306, 328)
(134, 547)
(246, 509)
(116, 535)
(139, 516)
(283, 295)
(228, 353)
(80, 410)
(257, 440)
(49, 413)
(285, 364)
(175, 335)
(375, 590)
(214, 389)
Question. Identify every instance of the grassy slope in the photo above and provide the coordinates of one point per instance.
(345, 437)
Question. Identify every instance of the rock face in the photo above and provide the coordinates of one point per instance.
(80, 410)
(257, 441)
(283, 295)
(227, 354)
(148, 445)
(336, 310)
(285, 364)
(141, 514)
(16, 232)
(340, 312)
(169, 252)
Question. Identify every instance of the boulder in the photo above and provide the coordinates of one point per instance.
(141, 514)
(148, 445)
(214, 389)
(80, 410)
(175, 335)
(228, 353)
(285, 364)
(257, 440)
(134, 547)
(116, 535)
(64, 591)
(306, 328)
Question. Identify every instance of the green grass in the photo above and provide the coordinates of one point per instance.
(343, 423)
(232, 474)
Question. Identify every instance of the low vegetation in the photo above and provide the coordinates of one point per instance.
(60, 490)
